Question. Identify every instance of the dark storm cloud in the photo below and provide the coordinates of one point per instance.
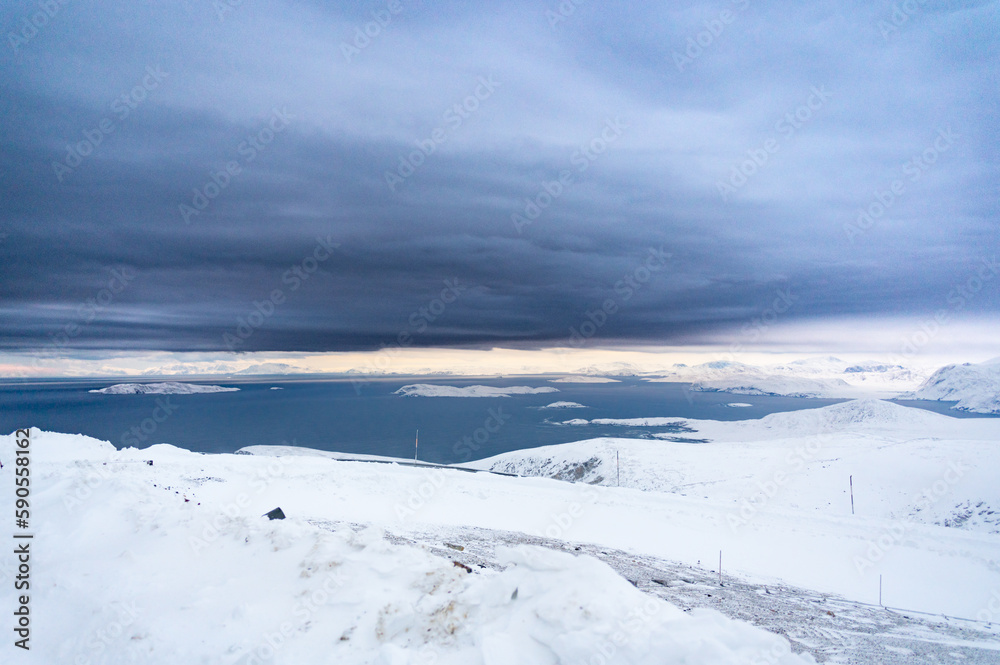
(566, 149)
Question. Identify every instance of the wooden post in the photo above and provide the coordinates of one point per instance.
(880, 590)
(416, 446)
(720, 567)
(619, 469)
(852, 494)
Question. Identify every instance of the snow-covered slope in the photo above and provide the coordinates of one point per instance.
(801, 460)
(431, 390)
(168, 388)
(174, 563)
(975, 388)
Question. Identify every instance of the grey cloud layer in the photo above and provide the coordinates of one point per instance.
(180, 104)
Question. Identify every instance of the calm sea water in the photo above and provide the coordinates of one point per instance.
(340, 415)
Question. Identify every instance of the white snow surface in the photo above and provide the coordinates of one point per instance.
(926, 496)
(174, 563)
(564, 405)
(431, 390)
(975, 388)
(168, 388)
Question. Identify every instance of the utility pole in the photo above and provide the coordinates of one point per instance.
(416, 446)
(852, 494)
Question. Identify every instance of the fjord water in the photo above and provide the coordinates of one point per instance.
(364, 416)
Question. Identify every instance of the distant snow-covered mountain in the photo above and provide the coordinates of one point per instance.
(785, 386)
(975, 387)
(223, 369)
(825, 377)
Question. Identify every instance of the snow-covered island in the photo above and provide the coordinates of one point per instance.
(431, 390)
(167, 388)
(563, 405)
(585, 379)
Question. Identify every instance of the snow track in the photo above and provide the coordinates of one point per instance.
(830, 628)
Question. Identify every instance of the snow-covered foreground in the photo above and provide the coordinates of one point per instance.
(431, 390)
(167, 388)
(173, 563)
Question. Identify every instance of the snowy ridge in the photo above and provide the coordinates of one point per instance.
(857, 414)
(975, 388)
(168, 388)
(301, 451)
(431, 390)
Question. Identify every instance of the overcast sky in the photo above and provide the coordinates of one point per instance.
(250, 176)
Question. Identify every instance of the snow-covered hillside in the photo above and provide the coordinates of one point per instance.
(975, 388)
(174, 563)
(168, 388)
(431, 390)
(799, 460)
